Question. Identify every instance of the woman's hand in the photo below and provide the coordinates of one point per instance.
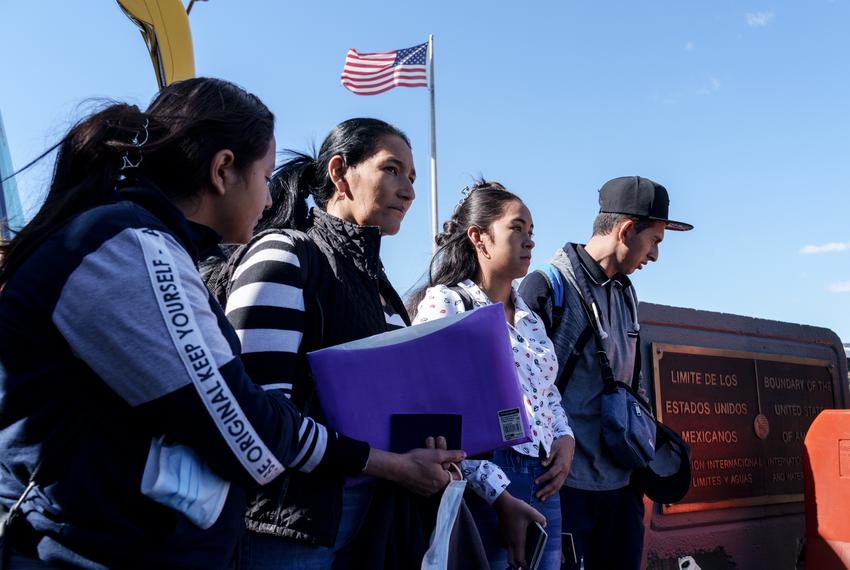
(514, 517)
(559, 461)
(419, 470)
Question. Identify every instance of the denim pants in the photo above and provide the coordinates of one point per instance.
(606, 527)
(267, 552)
(522, 470)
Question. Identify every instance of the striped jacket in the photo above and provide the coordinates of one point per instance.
(108, 340)
(291, 293)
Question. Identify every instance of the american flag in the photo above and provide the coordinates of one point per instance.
(373, 73)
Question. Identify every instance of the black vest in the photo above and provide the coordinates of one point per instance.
(346, 303)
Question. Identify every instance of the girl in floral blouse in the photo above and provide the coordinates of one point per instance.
(485, 246)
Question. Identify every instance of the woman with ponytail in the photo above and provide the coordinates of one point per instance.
(311, 279)
(130, 434)
(485, 246)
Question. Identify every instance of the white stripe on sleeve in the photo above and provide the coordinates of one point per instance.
(269, 340)
(278, 386)
(318, 451)
(309, 425)
(266, 294)
(272, 255)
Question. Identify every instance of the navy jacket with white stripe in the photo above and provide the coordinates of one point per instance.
(109, 339)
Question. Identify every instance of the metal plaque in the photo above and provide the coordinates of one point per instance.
(745, 416)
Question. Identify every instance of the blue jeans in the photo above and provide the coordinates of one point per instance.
(267, 552)
(522, 470)
(606, 527)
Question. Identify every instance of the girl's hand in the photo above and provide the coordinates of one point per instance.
(514, 517)
(559, 461)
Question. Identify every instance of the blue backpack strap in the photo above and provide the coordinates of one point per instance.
(556, 281)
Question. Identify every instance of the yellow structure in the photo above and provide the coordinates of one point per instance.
(165, 29)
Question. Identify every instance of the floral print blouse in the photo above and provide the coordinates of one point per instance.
(537, 370)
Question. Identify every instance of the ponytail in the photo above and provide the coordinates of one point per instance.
(355, 140)
(291, 184)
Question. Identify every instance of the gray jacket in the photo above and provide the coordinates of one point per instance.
(614, 306)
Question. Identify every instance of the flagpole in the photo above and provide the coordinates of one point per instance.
(434, 220)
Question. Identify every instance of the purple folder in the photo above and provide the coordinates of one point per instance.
(461, 364)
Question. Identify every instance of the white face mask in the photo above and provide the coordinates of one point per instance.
(176, 477)
(437, 555)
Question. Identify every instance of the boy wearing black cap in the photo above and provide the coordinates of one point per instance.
(602, 513)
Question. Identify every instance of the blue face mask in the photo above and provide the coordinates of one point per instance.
(176, 477)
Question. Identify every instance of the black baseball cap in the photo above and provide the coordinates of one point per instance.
(636, 196)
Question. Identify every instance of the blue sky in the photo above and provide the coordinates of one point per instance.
(740, 109)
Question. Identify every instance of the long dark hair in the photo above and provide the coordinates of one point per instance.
(455, 258)
(303, 174)
(185, 125)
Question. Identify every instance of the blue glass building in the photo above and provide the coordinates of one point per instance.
(11, 215)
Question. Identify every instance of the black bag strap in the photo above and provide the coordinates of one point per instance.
(584, 293)
(468, 303)
(601, 355)
(638, 363)
(611, 384)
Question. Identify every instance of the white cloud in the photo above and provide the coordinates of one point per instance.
(826, 248)
(689, 46)
(715, 83)
(712, 85)
(840, 287)
(758, 19)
